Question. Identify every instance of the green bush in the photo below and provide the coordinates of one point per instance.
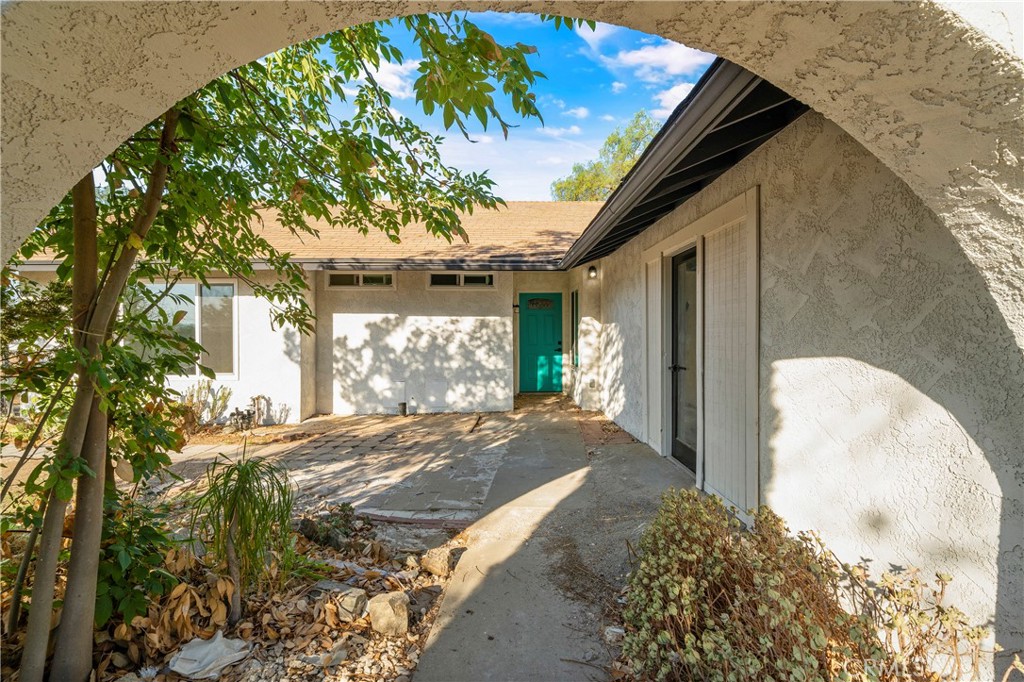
(131, 572)
(712, 600)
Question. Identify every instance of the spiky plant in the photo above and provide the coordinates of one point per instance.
(245, 511)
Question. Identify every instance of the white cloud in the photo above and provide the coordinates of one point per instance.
(598, 35)
(653, 63)
(608, 117)
(668, 99)
(578, 112)
(560, 132)
(618, 86)
(397, 78)
(503, 161)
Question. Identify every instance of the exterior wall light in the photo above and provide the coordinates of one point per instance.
(592, 272)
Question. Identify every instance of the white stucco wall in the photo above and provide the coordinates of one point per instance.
(585, 381)
(437, 349)
(268, 360)
(891, 388)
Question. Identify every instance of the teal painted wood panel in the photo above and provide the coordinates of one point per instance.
(540, 343)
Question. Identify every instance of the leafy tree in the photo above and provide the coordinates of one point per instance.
(596, 180)
(183, 197)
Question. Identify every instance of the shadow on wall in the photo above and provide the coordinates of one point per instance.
(613, 394)
(433, 363)
(889, 376)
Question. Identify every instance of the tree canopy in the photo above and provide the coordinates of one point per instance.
(597, 179)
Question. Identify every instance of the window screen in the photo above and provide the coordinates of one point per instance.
(217, 321)
(382, 280)
(344, 280)
(444, 280)
(478, 280)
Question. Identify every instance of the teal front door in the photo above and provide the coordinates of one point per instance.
(540, 343)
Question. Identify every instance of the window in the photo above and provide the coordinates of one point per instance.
(338, 280)
(574, 320)
(209, 318)
(451, 279)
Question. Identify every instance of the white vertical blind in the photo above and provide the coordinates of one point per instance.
(730, 457)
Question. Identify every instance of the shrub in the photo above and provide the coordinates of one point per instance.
(711, 600)
(131, 572)
(246, 509)
(203, 404)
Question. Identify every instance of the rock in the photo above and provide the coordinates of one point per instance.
(613, 634)
(188, 541)
(389, 613)
(308, 528)
(337, 539)
(438, 561)
(351, 601)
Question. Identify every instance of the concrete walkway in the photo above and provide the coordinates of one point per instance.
(528, 597)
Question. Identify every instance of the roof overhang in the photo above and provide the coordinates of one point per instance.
(729, 113)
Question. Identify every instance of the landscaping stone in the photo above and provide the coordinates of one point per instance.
(613, 634)
(389, 613)
(438, 561)
(351, 601)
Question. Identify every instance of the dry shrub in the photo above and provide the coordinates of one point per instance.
(711, 600)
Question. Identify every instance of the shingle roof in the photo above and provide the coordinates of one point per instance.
(524, 234)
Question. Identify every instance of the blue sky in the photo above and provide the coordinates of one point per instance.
(596, 81)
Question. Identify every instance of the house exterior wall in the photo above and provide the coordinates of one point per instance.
(268, 360)
(585, 380)
(890, 384)
(437, 349)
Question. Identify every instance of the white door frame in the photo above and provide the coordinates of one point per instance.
(657, 261)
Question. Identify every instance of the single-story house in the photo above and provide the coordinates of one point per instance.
(761, 299)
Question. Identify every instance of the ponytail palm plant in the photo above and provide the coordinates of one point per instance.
(245, 511)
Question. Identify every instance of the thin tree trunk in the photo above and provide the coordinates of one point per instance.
(101, 307)
(33, 658)
(14, 615)
(235, 614)
(72, 658)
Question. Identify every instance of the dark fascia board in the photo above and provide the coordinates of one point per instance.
(375, 264)
(392, 264)
(720, 89)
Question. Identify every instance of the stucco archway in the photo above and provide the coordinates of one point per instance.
(933, 98)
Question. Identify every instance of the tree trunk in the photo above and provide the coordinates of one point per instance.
(235, 614)
(33, 658)
(14, 615)
(100, 307)
(72, 658)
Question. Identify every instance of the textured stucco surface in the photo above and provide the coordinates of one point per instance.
(920, 87)
(439, 350)
(585, 381)
(890, 385)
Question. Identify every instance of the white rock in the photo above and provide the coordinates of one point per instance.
(389, 613)
(613, 634)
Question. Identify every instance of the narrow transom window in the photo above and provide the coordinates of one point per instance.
(452, 279)
(360, 279)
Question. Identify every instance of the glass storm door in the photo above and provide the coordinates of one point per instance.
(540, 343)
(683, 369)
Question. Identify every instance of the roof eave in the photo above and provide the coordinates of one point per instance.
(716, 93)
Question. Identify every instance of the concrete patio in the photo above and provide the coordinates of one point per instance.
(549, 497)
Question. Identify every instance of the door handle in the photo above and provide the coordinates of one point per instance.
(676, 368)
